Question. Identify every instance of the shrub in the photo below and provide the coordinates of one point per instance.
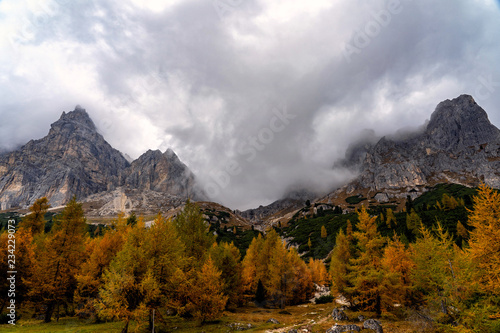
(324, 299)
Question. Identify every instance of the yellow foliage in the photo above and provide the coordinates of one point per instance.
(206, 293)
(35, 221)
(485, 238)
(318, 272)
(324, 234)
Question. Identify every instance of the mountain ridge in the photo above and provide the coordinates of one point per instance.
(75, 159)
(458, 145)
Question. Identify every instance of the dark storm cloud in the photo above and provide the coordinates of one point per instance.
(254, 96)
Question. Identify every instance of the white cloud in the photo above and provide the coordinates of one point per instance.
(158, 74)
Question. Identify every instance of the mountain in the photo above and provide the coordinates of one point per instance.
(160, 172)
(277, 210)
(74, 159)
(458, 145)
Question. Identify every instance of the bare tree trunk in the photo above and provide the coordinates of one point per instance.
(125, 329)
(48, 312)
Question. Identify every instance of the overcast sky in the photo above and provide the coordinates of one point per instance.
(255, 96)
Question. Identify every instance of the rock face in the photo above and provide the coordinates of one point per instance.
(292, 200)
(459, 145)
(74, 159)
(160, 172)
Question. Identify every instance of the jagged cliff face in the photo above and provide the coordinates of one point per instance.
(160, 172)
(74, 159)
(459, 144)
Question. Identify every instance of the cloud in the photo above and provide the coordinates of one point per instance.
(206, 78)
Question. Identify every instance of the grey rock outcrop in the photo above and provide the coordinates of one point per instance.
(459, 144)
(373, 325)
(339, 315)
(343, 328)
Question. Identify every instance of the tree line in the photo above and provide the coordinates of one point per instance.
(176, 267)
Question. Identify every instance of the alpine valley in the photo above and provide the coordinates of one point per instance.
(412, 240)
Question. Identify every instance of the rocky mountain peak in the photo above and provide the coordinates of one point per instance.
(74, 159)
(459, 145)
(77, 119)
(460, 123)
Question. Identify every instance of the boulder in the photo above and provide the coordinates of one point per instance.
(373, 325)
(343, 328)
(339, 315)
(273, 321)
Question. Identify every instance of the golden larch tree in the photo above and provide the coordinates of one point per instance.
(366, 273)
(207, 293)
(484, 240)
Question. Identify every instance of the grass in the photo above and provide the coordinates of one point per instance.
(63, 325)
(315, 317)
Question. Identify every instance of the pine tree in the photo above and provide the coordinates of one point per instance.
(462, 231)
(299, 287)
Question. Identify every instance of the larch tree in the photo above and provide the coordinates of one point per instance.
(100, 252)
(318, 271)
(324, 233)
(142, 276)
(484, 240)
(398, 266)
(339, 264)
(279, 270)
(366, 273)
(251, 273)
(440, 272)
(390, 218)
(227, 259)
(300, 287)
(413, 222)
(35, 221)
(194, 233)
(58, 259)
(207, 299)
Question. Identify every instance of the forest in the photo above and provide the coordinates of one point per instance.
(446, 274)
